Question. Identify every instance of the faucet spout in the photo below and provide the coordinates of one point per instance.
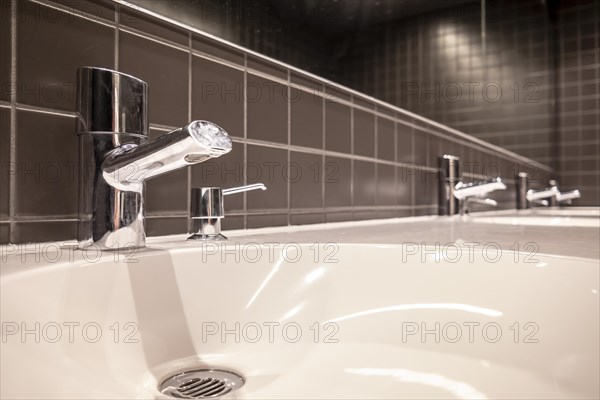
(129, 166)
(542, 194)
(479, 189)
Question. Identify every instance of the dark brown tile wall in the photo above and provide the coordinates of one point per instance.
(579, 100)
(325, 153)
(533, 88)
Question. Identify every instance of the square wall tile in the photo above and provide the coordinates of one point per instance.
(133, 18)
(404, 144)
(4, 233)
(338, 182)
(165, 70)
(425, 188)
(364, 133)
(217, 49)
(166, 226)
(5, 50)
(306, 119)
(338, 216)
(266, 220)
(267, 67)
(5, 166)
(386, 139)
(269, 166)
(167, 193)
(95, 9)
(267, 109)
(306, 180)
(364, 215)
(226, 171)
(405, 178)
(306, 219)
(26, 232)
(387, 193)
(364, 183)
(61, 44)
(218, 95)
(338, 134)
(231, 222)
(47, 173)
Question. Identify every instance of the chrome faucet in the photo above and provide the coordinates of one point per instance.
(116, 158)
(454, 195)
(549, 196)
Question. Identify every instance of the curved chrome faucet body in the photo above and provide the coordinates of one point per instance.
(116, 157)
(551, 196)
(454, 195)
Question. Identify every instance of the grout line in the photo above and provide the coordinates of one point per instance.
(117, 35)
(352, 153)
(13, 121)
(412, 183)
(189, 103)
(376, 152)
(245, 146)
(289, 142)
(322, 170)
(42, 110)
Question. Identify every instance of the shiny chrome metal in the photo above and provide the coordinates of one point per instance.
(522, 181)
(465, 190)
(206, 210)
(487, 202)
(454, 195)
(448, 176)
(200, 384)
(116, 157)
(542, 196)
(568, 196)
(552, 196)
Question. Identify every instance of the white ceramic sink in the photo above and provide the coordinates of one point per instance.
(369, 305)
(567, 212)
(543, 220)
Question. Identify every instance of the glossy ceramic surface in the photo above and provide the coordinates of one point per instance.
(302, 321)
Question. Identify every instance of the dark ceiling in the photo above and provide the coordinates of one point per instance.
(334, 17)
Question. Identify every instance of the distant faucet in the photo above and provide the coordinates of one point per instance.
(550, 196)
(116, 158)
(454, 195)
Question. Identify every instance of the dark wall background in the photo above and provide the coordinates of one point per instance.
(536, 87)
(531, 85)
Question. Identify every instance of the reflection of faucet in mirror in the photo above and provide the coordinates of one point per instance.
(454, 195)
(549, 196)
(116, 157)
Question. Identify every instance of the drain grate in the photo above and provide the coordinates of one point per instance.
(201, 384)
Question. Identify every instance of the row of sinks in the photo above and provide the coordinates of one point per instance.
(307, 319)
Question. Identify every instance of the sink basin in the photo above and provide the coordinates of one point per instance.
(302, 321)
(568, 212)
(543, 220)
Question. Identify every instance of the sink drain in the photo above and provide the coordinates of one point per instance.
(201, 384)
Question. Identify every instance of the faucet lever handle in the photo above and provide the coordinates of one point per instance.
(246, 188)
